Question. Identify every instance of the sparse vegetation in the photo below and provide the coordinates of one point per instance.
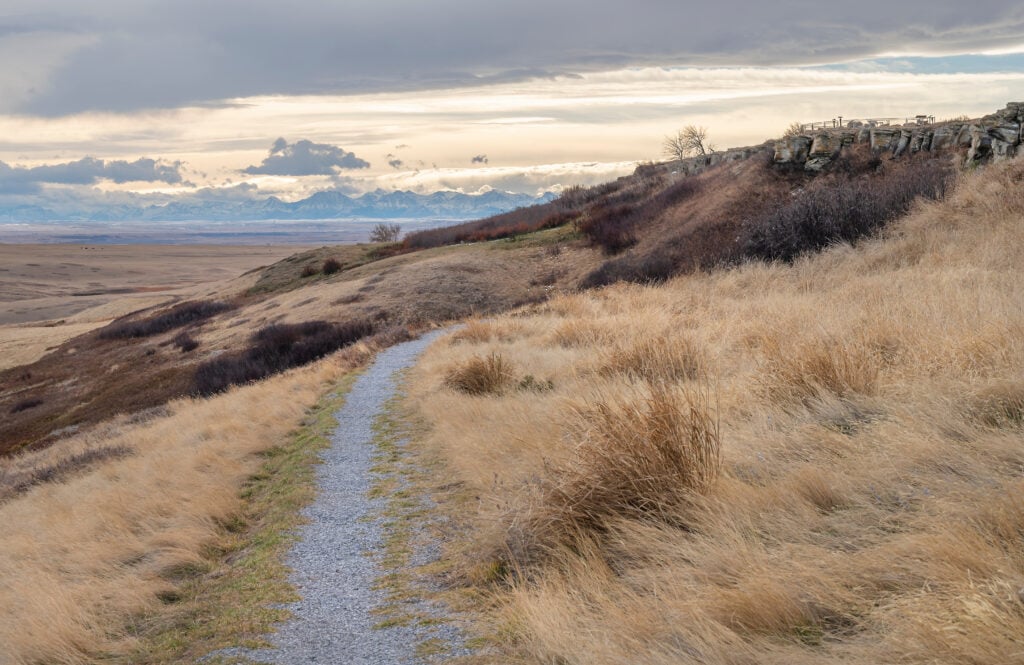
(177, 317)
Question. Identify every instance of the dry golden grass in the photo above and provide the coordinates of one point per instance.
(869, 505)
(93, 548)
(481, 375)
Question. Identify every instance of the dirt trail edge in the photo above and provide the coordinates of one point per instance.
(334, 623)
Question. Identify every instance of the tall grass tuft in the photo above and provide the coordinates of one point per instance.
(639, 458)
(481, 375)
(658, 359)
(801, 370)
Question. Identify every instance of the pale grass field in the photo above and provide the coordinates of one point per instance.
(867, 407)
(83, 559)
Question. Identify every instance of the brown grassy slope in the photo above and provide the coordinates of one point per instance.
(867, 405)
(88, 379)
(112, 522)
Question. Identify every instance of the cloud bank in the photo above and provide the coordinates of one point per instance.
(109, 55)
(87, 171)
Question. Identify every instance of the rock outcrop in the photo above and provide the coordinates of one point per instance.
(996, 136)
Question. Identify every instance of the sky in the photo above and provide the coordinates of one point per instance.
(118, 100)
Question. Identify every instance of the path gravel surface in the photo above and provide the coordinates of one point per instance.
(334, 571)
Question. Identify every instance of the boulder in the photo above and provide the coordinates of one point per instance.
(792, 150)
(1008, 132)
(946, 136)
(883, 138)
(921, 140)
(903, 142)
(981, 144)
(963, 137)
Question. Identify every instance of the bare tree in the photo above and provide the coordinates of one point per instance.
(385, 232)
(794, 129)
(690, 140)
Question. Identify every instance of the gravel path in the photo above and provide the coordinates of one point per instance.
(332, 570)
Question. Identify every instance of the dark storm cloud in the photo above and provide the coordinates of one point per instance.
(306, 158)
(87, 171)
(479, 159)
(149, 53)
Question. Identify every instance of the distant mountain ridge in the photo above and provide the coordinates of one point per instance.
(321, 205)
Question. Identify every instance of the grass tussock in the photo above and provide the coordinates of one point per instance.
(656, 360)
(636, 458)
(853, 495)
(807, 369)
(481, 375)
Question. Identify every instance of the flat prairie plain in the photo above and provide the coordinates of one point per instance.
(52, 292)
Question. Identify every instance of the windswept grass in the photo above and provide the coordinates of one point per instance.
(816, 461)
(105, 533)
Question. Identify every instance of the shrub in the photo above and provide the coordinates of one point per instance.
(489, 375)
(276, 348)
(331, 266)
(383, 232)
(652, 268)
(26, 404)
(637, 457)
(185, 342)
(505, 225)
(841, 209)
(611, 223)
(177, 317)
(308, 271)
(531, 384)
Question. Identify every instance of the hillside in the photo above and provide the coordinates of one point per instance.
(813, 462)
(787, 429)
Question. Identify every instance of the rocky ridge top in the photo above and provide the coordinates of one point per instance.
(993, 137)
